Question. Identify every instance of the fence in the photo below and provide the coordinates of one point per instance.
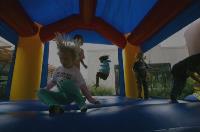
(160, 80)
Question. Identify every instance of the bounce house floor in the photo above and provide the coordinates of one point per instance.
(115, 114)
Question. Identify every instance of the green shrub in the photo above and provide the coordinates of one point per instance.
(3, 90)
(188, 88)
(161, 82)
(162, 89)
(101, 91)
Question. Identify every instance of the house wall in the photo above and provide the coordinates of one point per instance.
(92, 53)
(158, 54)
(166, 54)
(192, 37)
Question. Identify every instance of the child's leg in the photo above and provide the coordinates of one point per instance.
(104, 76)
(139, 86)
(73, 92)
(178, 85)
(51, 98)
(145, 87)
(101, 75)
(97, 78)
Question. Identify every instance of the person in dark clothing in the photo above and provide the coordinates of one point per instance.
(140, 69)
(181, 71)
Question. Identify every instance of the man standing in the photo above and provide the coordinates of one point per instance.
(140, 69)
(181, 71)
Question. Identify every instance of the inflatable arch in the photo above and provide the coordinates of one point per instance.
(29, 62)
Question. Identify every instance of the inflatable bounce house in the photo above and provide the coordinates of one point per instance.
(131, 25)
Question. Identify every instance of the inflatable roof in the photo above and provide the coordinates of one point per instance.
(143, 22)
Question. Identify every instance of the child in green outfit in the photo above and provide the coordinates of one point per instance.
(69, 82)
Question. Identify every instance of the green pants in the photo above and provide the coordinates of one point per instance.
(68, 92)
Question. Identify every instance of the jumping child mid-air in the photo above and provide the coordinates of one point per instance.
(104, 70)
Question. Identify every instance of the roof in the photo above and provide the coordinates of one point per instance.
(99, 21)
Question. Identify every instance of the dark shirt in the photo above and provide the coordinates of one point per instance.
(188, 64)
(140, 66)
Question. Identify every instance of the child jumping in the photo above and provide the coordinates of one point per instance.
(104, 70)
(69, 81)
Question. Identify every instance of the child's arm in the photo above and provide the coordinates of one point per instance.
(82, 56)
(88, 95)
(134, 67)
(82, 62)
(50, 85)
(84, 89)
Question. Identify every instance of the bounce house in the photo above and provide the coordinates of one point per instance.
(131, 25)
